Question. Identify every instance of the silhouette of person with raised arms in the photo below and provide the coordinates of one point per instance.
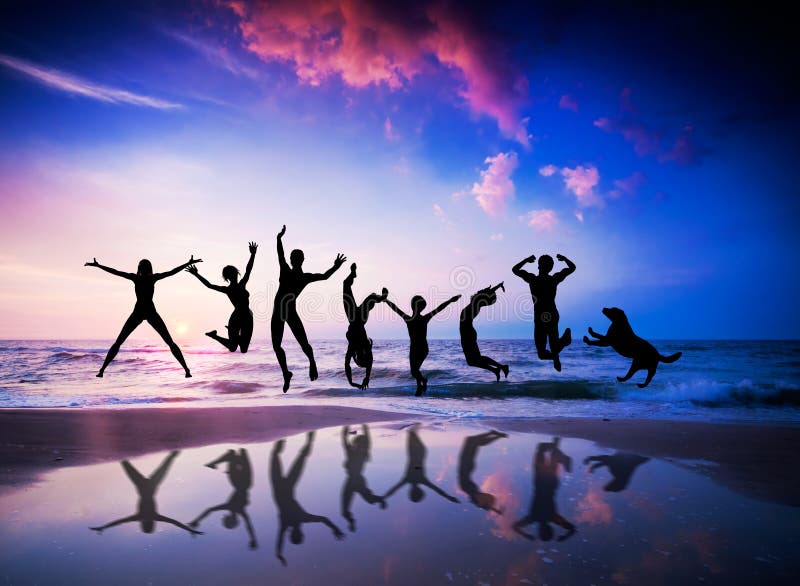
(543, 510)
(622, 465)
(466, 466)
(359, 345)
(469, 337)
(290, 513)
(147, 513)
(417, 324)
(415, 475)
(356, 456)
(240, 475)
(543, 290)
(291, 283)
(240, 324)
(144, 281)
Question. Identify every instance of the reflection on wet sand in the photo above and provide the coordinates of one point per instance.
(622, 465)
(356, 456)
(146, 486)
(466, 466)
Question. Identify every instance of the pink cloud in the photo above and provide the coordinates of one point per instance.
(548, 170)
(568, 102)
(581, 181)
(629, 185)
(366, 44)
(496, 187)
(496, 237)
(388, 132)
(541, 220)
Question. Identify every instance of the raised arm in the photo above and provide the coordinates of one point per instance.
(279, 544)
(396, 487)
(397, 310)
(339, 261)
(520, 525)
(281, 255)
(192, 260)
(563, 273)
(345, 433)
(94, 263)
(337, 533)
(178, 524)
(250, 531)
(253, 249)
(193, 270)
(115, 523)
(517, 268)
(365, 429)
(439, 491)
(207, 512)
(443, 305)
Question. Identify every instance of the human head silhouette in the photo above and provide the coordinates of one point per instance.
(230, 521)
(145, 268)
(230, 274)
(483, 500)
(418, 304)
(545, 264)
(296, 258)
(360, 442)
(148, 525)
(415, 494)
(296, 536)
(545, 531)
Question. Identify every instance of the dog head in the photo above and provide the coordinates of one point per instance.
(615, 314)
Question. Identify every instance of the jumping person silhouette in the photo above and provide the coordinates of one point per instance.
(292, 281)
(415, 475)
(417, 324)
(543, 290)
(545, 484)
(144, 281)
(291, 514)
(240, 324)
(240, 475)
(147, 513)
(359, 345)
(356, 454)
(469, 337)
(466, 466)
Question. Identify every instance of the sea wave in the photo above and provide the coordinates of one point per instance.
(710, 393)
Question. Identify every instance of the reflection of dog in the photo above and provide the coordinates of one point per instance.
(621, 465)
(621, 338)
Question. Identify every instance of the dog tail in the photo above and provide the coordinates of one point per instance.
(670, 358)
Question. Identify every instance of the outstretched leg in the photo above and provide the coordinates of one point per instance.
(161, 329)
(158, 475)
(245, 330)
(133, 321)
(300, 461)
(631, 371)
(347, 294)
(138, 479)
(276, 328)
(557, 343)
(416, 359)
(233, 331)
(296, 325)
(540, 340)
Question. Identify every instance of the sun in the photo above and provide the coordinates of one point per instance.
(182, 329)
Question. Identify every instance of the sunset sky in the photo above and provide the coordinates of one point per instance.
(434, 143)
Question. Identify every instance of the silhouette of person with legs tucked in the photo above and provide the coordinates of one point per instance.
(415, 475)
(147, 514)
(292, 281)
(543, 510)
(543, 290)
(357, 455)
(240, 324)
(144, 282)
(359, 345)
(291, 514)
(417, 324)
(469, 337)
(466, 466)
(240, 475)
(622, 465)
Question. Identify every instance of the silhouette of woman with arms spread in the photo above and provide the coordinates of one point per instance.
(144, 284)
(240, 324)
(291, 514)
(417, 324)
(292, 281)
(415, 475)
(147, 513)
(240, 475)
(356, 456)
(469, 337)
(359, 345)
(543, 511)
(543, 290)
(466, 466)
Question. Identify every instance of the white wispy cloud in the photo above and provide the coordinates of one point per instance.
(72, 84)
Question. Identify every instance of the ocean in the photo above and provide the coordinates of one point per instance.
(757, 381)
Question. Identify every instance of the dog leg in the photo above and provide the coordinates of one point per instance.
(650, 373)
(595, 334)
(631, 371)
(601, 342)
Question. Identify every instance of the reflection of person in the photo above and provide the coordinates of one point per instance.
(469, 337)
(291, 514)
(291, 283)
(147, 513)
(543, 290)
(417, 324)
(545, 483)
(357, 454)
(466, 466)
(415, 475)
(240, 475)
(359, 345)
(144, 283)
(622, 465)
(240, 324)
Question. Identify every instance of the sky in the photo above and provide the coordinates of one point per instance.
(434, 143)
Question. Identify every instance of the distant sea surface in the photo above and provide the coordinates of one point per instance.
(756, 381)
